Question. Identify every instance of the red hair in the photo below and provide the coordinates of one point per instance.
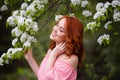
(74, 38)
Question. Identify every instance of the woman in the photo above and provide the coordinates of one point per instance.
(65, 52)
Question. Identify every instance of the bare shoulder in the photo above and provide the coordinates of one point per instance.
(72, 60)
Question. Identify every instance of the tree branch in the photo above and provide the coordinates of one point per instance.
(46, 10)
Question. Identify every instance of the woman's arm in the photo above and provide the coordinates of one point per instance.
(59, 49)
(31, 61)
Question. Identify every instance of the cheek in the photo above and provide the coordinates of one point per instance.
(62, 37)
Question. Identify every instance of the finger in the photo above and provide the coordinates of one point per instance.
(63, 45)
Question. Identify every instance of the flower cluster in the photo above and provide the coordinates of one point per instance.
(83, 4)
(4, 8)
(107, 25)
(57, 17)
(75, 2)
(104, 39)
(24, 29)
(102, 14)
(91, 25)
(86, 13)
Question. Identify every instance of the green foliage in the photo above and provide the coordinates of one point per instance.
(19, 74)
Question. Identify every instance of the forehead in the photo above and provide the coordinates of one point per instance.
(62, 21)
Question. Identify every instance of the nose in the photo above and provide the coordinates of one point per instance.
(55, 28)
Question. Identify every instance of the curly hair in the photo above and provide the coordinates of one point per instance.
(74, 38)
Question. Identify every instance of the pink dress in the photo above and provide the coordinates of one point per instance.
(60, 71)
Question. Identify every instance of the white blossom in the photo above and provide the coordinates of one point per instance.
(39, 4)
(84, 3)
(31, 39)
(33, 26)
(16, 13)
(14, 50)
(10, 50)
(27, 44)
(9, 55)
(107, 24)
(97, 15)
(22, 13)
(34, 6)
(17, 50)
(116, 16)
(11, 21)
(31, 9)
(24, 6)
(91, 25)
(107, 4)
(28, 0)
(16, 32)
(115, 3)
(103, 10)
(24, 37)
(75, 2)
(3, 55)
(1, 61)
(4, 8)
(72, 14)
(57, 17)
(28, 21)
(20, 20)
(102, 38)
(99, 6)
(14, 41)
(86, 13)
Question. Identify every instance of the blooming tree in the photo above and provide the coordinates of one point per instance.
(24, 29)
(103, 13)
(24, 26)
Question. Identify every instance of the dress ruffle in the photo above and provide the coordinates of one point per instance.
(60, 71)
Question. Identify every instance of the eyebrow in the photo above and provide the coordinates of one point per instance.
(60, 26)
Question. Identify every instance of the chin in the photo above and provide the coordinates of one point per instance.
(52, 38)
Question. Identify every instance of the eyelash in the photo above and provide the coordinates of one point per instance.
(59, 29)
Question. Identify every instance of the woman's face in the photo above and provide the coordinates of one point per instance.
(59, 32)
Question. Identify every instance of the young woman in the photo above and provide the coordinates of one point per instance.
(65, 52)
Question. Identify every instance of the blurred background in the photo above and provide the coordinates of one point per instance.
(100, 62)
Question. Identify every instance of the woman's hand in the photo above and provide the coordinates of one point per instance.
(28, 53)
(59, 49)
